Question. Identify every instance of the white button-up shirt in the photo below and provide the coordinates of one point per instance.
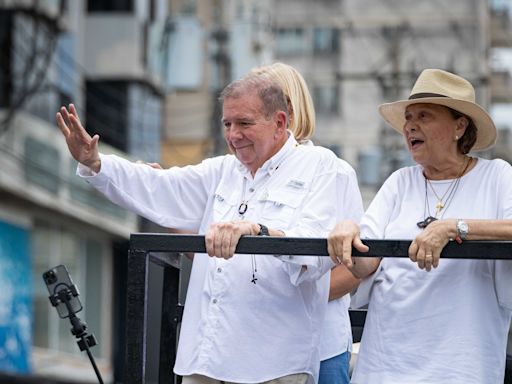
(234, 330)
(449, 325)
(337, 329)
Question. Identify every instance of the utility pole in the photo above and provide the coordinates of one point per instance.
(392, 85)
(223, 75)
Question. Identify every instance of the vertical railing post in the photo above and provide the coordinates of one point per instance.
(136, 316)
(171, 316)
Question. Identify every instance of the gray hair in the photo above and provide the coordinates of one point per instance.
(269, 92)
(468, 139)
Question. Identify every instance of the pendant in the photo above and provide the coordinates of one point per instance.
(439, 208)
(424, 224)
(242, 208)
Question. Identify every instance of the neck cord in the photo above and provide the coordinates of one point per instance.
(450, 191)
(440, 206)
(242, 209)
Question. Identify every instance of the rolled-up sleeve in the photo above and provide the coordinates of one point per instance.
(329, 192)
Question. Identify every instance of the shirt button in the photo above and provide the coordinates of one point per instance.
(219, 270)
(214, 301)
(251, 190)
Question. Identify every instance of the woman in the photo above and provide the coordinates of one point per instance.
(447, 325)
(336, 343)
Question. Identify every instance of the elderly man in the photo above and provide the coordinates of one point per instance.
(248, 319)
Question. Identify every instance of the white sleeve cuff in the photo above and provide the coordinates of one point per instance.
(305, 268)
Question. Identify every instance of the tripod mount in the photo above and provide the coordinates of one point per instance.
(65, 294)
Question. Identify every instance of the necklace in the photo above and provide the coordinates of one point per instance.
(242, 208)
(441, 202)
(244, 204)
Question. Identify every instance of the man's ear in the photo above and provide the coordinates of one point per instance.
(281, 122)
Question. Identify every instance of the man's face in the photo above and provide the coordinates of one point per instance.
(251, 137)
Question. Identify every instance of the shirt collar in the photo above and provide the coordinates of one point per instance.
(272, 164)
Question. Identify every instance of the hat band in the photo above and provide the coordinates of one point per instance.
(425, 95)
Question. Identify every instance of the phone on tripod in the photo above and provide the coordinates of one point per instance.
(62, 290)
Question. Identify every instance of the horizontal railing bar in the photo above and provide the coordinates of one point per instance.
(163, 242)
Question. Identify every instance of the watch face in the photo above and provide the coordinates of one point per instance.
(462, 228)
(263, 230)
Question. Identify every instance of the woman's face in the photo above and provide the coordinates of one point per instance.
(430, 131)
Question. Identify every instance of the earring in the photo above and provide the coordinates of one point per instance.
(456, 137)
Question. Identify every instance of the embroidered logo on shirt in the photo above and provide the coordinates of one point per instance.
(297, 184)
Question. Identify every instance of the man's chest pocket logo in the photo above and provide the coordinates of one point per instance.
(222, 206)
(280, 206)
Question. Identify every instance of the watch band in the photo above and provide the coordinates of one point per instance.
(263, 230)
(462, 229)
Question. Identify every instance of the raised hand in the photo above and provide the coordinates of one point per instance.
(81, 145)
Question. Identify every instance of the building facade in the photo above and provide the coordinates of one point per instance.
(105, 57)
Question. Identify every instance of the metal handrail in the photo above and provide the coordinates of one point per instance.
(165, 250)
(471, 249)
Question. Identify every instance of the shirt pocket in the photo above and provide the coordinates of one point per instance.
(280, 207)
(223, 205)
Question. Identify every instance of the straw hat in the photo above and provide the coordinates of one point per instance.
(435, 86)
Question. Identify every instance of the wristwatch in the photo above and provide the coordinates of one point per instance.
(462, 229)
(263, 230)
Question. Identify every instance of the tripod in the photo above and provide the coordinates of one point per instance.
(79, 327)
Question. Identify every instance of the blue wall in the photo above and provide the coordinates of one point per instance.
(15, 298)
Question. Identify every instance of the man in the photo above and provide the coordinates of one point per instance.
(248, 319)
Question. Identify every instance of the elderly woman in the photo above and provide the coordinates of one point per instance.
(448, 324)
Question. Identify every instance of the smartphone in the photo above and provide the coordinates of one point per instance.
(57, 279)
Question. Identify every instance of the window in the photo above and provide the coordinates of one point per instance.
(67, 77)
(127, 116)
(84, 257)
(326, 99)
(290, 41)
(33, 45)
(5, 58)
(42, 165)
(326, 40)
(83, 193)
(106, 112)
(110, 5)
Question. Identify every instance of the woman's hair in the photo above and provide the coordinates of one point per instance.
(468, 139)
(301, 110)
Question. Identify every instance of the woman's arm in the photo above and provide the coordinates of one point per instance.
(342, 238)
(427, 246)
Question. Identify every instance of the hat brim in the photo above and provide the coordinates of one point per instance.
(394, 115)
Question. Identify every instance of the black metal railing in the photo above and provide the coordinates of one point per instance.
(151, 330)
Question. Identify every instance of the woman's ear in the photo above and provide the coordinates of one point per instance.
(462, 124)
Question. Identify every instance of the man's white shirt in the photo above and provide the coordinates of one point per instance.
(235, 330)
